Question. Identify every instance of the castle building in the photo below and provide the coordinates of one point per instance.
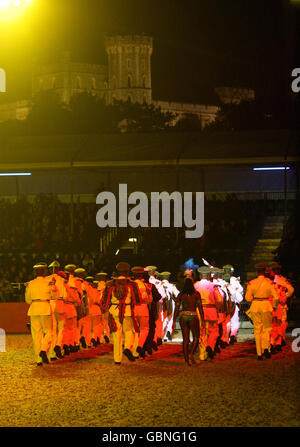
(126, 77)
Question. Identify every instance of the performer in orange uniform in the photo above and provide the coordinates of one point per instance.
(95, 312)
(141, 312)
(285, 290)
(258, 292)
(102, 278)
(70, 296)
(209, 327)
(84, 323)
(221, 307)
(73, 298)
(58, 312)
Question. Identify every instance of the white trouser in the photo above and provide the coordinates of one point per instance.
(235, 322)
(170, 324)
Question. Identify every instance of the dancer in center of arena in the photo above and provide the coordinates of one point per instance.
(190, 300)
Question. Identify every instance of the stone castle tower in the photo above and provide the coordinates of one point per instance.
(126, 76)
(129, 68)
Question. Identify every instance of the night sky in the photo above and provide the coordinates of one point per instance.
(198, 44)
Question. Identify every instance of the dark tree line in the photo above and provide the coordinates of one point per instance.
(90, 114)
(258, 114)
(86, 114)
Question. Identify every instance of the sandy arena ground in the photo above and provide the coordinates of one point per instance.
(87, 389)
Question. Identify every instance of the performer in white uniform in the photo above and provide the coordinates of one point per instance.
(236, 292)
(170, 292)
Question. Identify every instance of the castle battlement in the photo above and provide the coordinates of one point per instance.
(129, 42)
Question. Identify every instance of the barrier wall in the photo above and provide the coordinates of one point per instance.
(13, 317)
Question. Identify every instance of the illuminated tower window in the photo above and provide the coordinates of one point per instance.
(129, 81)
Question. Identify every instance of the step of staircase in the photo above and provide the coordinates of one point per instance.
(266, 244)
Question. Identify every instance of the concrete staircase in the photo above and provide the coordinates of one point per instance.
(266, 244)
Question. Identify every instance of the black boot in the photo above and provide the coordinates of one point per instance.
(83, 342)
(273, 350)
(129, 355)
(278, 348)
(210, 352)
(72, 349)
(141, 352)
(154, 346)
(106, 338)
(58, 353)
(98, 341)
(232, 340)
(283, 343)
(159, 342)
(149, 350)
(66, 350)
(169, 336)
(94, 343)
(259, 357)
(44, 357)
(266, 354)
(217, 350)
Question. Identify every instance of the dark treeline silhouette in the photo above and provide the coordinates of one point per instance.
(86, 114)
(258, 114)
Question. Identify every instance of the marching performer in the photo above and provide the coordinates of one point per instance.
(72, 299)
(170, 292)
(38, 294)
(102, 278)
(152, 271)
(230, 309)
(94, 311)
(141, 312)
(58, 312)
(68, 335)
(153, 314)
(285, 290)
(236, 294)
(258, 292)
(209, 327)
(221, 307)
(85, 322)
(120, 296)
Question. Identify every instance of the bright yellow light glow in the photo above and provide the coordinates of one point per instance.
(10, 9)
(4, 3)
